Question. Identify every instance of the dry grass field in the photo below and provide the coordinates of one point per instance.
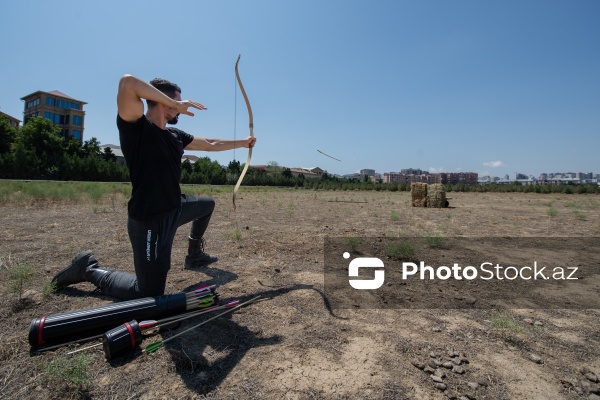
(294, 345)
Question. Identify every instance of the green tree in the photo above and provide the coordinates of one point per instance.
(7, 166)
(72, 146)
(186, 165)
(208, 172)
(233, 171)
(234, 167)
(8, 134)
(92, 147)
(108, 155)
(39, 144)
(25, 163)
(274, 168)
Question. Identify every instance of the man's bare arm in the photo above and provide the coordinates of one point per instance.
(204, 144)
(131, 92)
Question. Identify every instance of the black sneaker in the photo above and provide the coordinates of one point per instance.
(74, 273)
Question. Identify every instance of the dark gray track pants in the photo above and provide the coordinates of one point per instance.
(152, 241)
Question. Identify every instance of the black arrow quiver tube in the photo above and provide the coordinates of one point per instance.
(60, 328)
(122, 339)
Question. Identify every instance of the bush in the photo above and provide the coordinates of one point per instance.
(400, 250)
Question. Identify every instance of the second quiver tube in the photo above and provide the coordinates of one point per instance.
(74, 325)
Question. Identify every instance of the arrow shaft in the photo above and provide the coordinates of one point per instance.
(152, 347)
(78, 341)
(325, 154)
(192, 314)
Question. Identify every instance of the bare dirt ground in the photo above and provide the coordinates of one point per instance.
(293, 345)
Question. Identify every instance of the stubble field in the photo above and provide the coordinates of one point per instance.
(294, 344)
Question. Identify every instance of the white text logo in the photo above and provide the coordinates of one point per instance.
(365, 262)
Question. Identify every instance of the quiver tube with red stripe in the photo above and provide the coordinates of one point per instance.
(74, 325)
(122, 339)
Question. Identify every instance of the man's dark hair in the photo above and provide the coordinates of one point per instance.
(168, 88)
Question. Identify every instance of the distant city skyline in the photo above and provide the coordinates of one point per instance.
(417, 171)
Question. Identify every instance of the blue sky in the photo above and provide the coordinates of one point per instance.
(494, 87)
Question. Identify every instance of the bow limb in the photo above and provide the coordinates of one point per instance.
(251, 126)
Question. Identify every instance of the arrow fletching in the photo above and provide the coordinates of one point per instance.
(152, 347)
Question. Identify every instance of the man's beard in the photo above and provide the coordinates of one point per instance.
(173, 120)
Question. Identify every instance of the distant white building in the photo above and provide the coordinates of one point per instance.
(316, 170)
(307, 173)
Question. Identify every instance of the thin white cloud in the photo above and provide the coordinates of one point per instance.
(434, 170)
(494, 164)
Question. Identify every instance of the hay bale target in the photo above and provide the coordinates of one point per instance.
(436, 196)
(418, 192)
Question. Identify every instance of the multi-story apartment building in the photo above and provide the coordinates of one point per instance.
(399, 177)
(367, 172)
(468, 178)
(412, 171)
(12, 121)
(62, 110)
(453, 178)
(394, 177)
